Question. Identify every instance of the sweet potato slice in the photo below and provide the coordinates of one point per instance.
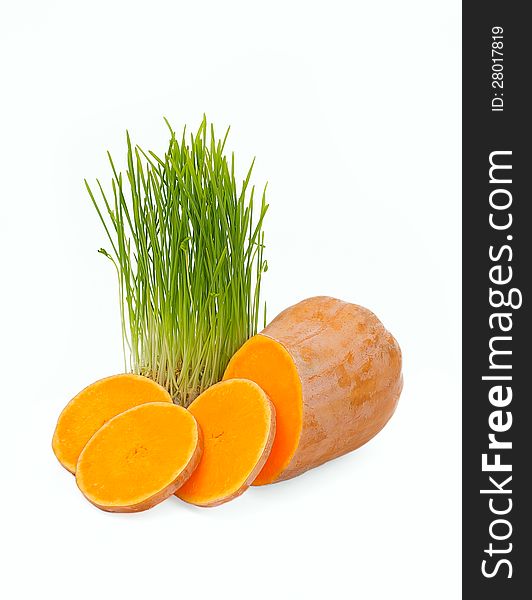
(140, 457)
(238, 424)
(333, 373)
(95, 405)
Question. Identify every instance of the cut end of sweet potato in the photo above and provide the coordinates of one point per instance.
(238, 424)
(140, 457)
(258, 359)
(94, 406)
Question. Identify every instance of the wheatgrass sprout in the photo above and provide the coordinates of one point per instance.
(188, 247)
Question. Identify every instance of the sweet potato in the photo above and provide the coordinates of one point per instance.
(238, 424)
(333, 373)
(139, 458)
(95, 405)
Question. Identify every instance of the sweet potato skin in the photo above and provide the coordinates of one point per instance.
(350, 371)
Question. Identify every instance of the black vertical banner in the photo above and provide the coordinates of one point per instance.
(497, 328)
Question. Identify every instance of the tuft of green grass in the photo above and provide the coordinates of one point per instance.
(187, 243)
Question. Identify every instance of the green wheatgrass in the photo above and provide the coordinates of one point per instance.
(188, 250)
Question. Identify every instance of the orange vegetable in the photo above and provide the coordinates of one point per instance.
(139, 458)
(333, 373)
(238, 424)
(95, 405)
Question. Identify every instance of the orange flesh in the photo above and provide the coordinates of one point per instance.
(258, 359)
(237, 420)
(95, 405)
(137, 454)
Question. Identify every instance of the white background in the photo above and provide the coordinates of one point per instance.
(352, 109)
